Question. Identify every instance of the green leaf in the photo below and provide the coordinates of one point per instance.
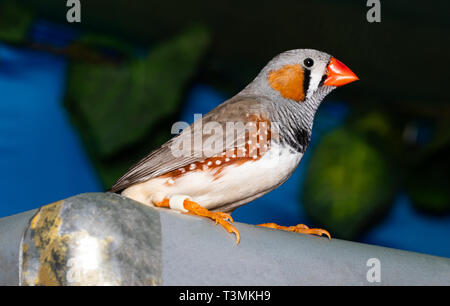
(120, 103)
(428, 186)
(15, 21)
(348, 184)
(124, 110)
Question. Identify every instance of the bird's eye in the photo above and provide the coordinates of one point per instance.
(308, 62)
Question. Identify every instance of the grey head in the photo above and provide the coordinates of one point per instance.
(295, 82)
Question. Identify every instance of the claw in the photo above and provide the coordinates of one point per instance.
(313, 231)
(299, 228)
(221, 218)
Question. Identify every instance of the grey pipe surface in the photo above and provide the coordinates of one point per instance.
(107, 239)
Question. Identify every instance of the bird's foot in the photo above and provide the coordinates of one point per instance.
(222, 218)
(299, 228)
(195, 209)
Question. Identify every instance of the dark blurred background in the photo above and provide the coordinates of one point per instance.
(82, 102)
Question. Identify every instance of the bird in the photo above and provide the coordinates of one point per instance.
(245, 147)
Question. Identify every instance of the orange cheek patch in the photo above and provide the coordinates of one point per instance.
(288, 81)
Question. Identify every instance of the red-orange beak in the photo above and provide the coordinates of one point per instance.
(338, 74)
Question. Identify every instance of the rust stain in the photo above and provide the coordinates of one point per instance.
(87, 262)
(52, 247)
(288, 81)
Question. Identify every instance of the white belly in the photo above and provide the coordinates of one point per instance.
(234, 184)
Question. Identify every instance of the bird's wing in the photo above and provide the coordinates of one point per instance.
(162, 160)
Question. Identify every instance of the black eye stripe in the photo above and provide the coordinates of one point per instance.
(324, 77)
(306, 80)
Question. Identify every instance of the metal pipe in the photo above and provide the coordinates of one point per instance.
(107, 239)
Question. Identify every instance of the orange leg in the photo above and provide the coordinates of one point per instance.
(299, 228)
(194, 208)
(163, 203)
